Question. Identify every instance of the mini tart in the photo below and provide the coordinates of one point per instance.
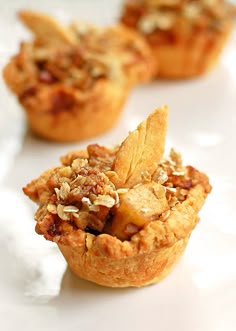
(129, 47)
(68, 93)
(186, 37)
(121, 216)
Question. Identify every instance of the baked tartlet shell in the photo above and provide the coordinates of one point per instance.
(141, 270)
(147, 258)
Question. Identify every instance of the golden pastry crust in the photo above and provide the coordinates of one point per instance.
(140, 270)
(147, 258)
(100, 225)
(186, 37)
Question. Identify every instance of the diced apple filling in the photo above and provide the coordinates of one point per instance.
(140, 205)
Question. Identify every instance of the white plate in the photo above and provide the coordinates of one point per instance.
(37, 291)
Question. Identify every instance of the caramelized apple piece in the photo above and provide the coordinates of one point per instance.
(141, 150)
(138, 206)
(46, 29)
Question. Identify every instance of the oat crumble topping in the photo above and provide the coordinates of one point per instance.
(114, 43)
(82, 196)
(44, 65)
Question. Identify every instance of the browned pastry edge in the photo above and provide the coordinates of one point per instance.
(148, 257)
(140, 270)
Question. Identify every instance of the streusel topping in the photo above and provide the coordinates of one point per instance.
(52, 65)
(82, 196)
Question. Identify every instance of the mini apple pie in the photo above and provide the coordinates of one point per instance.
(121, 216)
(186, 37)
(68, 92)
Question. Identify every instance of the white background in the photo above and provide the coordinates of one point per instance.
(37, 291)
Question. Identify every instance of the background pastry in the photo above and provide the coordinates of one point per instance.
(121, 216)
(69, 93)
(186, 37)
